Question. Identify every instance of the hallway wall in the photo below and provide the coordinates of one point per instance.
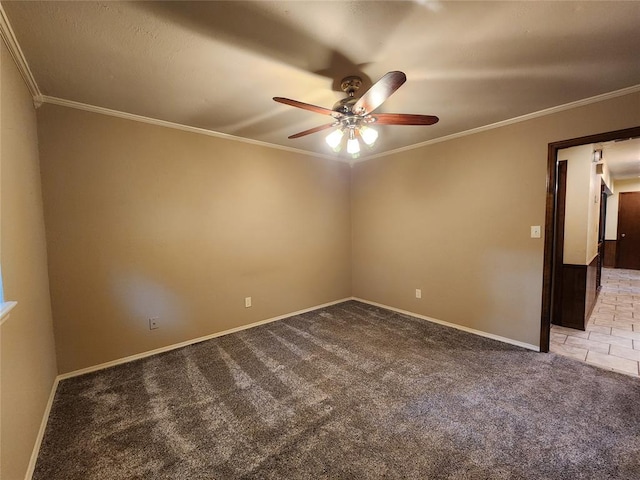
(625, 185)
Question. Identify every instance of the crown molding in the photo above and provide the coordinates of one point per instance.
(203, 131)
(7, 34)
(9, 37)
(177, 126)
(511, 121)
(11, 42)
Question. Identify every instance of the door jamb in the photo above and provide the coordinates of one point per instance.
(550, 218)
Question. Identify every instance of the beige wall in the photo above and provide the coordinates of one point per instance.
(28, 358)
(453, 219)
(582, 206)
(593, 209)
(144, 221)
(577, 203)
(625, 185)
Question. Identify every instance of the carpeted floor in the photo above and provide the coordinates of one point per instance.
(347, 392)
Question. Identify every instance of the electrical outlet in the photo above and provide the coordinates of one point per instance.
(154, 323)
(247, 302)
(418, 293)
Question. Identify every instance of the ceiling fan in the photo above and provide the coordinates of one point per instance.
(354, 116)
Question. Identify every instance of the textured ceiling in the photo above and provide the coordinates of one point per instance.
(217, 65)
(622, 157)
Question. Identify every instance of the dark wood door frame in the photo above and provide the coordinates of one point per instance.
(602, 228)
(550, 220)
(558, 246)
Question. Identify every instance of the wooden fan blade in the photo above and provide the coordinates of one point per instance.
(308, 106)
(404, 119)
(379, 92)
(312, 130)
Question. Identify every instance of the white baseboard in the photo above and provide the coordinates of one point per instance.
(174, 346)
(131, 358)
(43, 427)
(168, 348)
(45, 418)
(453, 325)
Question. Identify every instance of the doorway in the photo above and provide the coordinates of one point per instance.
(551, 265)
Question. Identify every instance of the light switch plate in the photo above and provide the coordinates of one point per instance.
(535, 231)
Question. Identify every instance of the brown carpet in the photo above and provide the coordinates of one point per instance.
(347, 392)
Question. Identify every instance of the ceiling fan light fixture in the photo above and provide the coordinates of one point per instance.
(335, 138)
(353, 146)
(351, 114)
(368, 135)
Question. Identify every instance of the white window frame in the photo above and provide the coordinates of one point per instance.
(5, 307)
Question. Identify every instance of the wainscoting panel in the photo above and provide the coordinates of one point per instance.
(591, 291)
(610, 253)
(579, 293)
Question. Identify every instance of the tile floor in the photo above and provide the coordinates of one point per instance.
(612, 337)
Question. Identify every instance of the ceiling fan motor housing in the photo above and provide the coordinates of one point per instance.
(345, 105)
(351, 84)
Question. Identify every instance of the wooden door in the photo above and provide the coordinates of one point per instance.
(628, 248)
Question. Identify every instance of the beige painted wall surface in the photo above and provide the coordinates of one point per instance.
(453, 219)
(577, 203)
(624, 185)
(593, 208)
(582, 210)
(28, 353)
(144, 221)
